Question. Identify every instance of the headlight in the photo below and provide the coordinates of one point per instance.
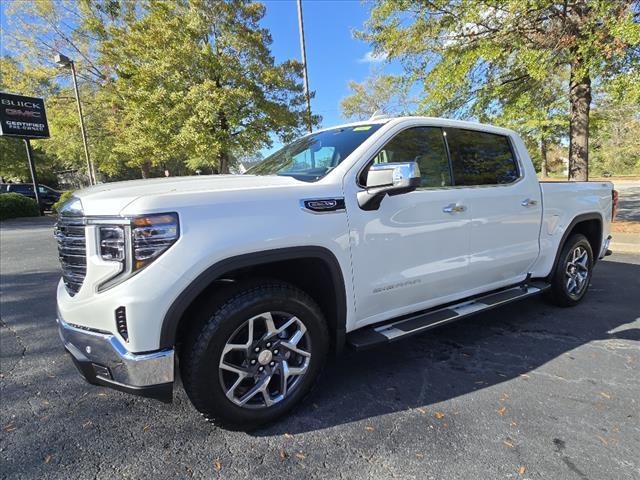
(152, 236)
(136, 243)
(112, 244)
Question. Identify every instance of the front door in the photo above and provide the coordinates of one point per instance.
(411, 253)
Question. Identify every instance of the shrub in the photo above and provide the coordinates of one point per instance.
(14, 205)
(63, 198)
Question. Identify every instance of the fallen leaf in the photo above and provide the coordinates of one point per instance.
(86, 424)
(514, 424)
(9, 428)
(301, 455)
(602, 439)
(419, 455)
(439, 415)
(47, 459)
(606, 395)
(369, 428)
(507, 443)
(502, 411)
(288, 435)
(421, 410)
(217, 465)
(504, 397)
(283, 455)
(524, 375)
(521, 470)
(102, 394)
(146, 428)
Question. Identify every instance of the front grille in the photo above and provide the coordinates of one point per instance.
(72, 249)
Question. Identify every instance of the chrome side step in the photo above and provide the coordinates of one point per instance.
(368, 337)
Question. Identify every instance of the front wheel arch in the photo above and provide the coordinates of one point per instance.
(332, 298)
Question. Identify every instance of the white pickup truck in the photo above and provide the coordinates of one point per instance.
(356, 235)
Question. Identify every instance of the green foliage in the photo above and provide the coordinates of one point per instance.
(14, 205)
(501, 60)
(63, 198)
(166, 84)
(378, 93)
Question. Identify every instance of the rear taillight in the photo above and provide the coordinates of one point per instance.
(614, 203)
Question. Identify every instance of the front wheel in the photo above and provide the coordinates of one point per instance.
(570, 280)
(256, 355)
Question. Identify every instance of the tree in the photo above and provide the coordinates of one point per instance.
(462, 50)
(174, 85)
(378, 93)
(195, 81)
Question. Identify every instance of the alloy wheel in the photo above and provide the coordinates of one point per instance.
(577, 271)
(265, 359)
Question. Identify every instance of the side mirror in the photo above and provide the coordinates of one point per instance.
(388, 179)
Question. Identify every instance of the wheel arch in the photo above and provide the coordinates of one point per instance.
(301, 266)
(588, 224)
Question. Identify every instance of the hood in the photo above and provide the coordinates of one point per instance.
(112, 198)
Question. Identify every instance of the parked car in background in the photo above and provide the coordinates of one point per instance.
(48, 196)
(355, 236)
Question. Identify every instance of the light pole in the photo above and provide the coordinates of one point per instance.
(305, 76)
(65, 61)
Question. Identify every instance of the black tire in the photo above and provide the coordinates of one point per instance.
(201, 354)
(559, 293)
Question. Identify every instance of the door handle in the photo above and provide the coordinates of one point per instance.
(453, 208)
(529, 202)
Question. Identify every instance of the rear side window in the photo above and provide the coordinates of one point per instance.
(480, 158)
(424, 145)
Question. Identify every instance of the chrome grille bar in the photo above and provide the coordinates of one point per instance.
(72, 250)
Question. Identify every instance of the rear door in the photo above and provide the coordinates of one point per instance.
(504, 205)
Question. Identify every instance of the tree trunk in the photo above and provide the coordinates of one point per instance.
(145, 169)
(580, 100)
(223, 163)
(543, 155)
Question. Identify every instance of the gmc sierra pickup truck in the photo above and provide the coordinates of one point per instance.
(353, 236)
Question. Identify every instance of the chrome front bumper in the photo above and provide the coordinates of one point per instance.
(103, 360)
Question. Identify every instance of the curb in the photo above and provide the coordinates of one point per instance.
(620, 247)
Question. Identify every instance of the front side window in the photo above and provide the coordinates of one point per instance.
(424, 145)
(310, 158)
(480, 158)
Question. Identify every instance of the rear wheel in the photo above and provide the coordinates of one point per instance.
(570, 280)
(256, 355)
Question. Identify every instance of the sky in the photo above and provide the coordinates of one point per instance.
(334, 56)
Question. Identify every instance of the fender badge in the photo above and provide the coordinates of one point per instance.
(324, 204)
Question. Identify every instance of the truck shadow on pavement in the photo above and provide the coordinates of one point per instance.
(469, 355)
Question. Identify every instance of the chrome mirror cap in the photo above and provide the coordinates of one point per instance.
(388, 179)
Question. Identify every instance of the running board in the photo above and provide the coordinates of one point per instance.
(368, 337)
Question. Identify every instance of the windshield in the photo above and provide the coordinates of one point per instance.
(310, 158)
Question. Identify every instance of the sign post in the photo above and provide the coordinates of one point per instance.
(26, 118)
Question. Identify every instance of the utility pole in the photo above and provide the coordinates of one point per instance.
(65, 61)
(305, 76)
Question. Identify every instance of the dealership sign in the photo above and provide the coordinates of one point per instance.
(23, 117)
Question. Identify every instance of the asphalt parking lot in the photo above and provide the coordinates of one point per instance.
(526, 391)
